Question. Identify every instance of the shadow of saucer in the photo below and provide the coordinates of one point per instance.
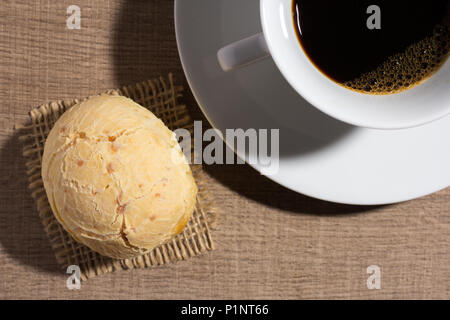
(144, 42)
(145, 46)
(23, 237)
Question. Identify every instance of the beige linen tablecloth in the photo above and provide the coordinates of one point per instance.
(270, 243)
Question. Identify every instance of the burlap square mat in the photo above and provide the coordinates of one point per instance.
(161, 97)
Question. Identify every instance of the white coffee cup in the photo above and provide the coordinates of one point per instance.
(418, 105)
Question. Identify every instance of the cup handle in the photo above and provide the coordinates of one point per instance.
(243, 52)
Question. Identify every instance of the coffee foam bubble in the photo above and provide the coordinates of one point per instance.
(408, 68)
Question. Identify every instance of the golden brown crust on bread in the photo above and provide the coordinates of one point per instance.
(116, 178)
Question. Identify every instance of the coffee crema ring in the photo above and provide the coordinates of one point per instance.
(407, 69)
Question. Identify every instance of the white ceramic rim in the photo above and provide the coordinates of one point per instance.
(196, 91)
(342, 103)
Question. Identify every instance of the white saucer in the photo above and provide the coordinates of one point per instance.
(319, 156)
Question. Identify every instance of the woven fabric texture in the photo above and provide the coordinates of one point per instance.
(161, 97)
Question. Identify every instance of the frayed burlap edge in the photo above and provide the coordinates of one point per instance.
(161, 97)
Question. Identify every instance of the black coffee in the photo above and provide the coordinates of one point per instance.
(379, 49)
